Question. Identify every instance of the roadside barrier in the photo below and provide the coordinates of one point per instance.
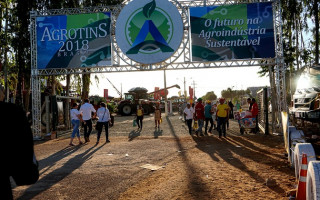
(313, 181)
(301, 192)
(299, 149)
(294, 137)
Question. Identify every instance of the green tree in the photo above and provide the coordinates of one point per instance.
(210, 96)
(234, 95)
(312, 12)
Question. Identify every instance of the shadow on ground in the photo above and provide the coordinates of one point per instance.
(57, 175)
(133, 134)
(236, 145)
(196, 185)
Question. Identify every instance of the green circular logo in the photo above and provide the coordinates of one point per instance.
(149, 31)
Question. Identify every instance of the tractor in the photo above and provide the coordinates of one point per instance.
(136, 96)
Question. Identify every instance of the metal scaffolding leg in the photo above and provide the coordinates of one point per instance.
(36, 107)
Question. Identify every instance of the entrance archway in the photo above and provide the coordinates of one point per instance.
(180, 59)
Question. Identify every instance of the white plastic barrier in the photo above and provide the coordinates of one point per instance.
(299, 149)
(294, 137)
(313, 181)
(290, 130)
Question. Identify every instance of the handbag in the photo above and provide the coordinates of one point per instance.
(195, 125)
(134, 122)
(100, 124)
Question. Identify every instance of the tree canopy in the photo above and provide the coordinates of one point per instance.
(210, 96)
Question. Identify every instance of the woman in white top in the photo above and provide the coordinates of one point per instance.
(104, 118)
(189, 114)
(75, 116)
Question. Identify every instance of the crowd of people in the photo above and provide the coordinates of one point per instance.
(217, 114)
(84, 116)
(211, 116)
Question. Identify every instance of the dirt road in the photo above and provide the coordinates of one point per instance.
(190, 167)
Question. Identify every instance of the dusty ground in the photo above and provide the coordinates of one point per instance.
(191, 167)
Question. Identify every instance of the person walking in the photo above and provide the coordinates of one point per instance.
(157, 116)
(76, 117)
(208, 117)
(230, 104)
(140, 117)
(103, 121)
(238, 106)
(214, 112)
(184, 105)
(222, 114)
(199, 115)
(255, 110)
(189, 114)
(250, 103)
(86, 110)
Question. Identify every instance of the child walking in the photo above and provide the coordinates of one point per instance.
(157, 116)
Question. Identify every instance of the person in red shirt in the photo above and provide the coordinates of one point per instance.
(199, 115)
(254, 110)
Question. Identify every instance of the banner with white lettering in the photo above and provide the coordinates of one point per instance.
(73, 41)
(230, 32)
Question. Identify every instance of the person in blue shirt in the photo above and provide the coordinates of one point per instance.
(208, 117)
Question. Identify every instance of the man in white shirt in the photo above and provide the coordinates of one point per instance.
(188, 113)
(86, 110)
(104, 119)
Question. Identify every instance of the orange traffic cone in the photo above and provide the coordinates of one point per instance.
(301, 192)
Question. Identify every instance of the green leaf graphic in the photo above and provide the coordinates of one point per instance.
(149, 8)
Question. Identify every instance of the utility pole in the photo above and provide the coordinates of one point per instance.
(165, 94)
(184, 86)
(194, 91)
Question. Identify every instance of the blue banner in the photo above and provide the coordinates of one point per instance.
(230, 32)
(73, 41)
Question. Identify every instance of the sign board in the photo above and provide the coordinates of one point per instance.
(149, 31)
(228, 32)
(73, 41)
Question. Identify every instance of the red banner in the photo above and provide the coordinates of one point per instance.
(156, 95)
(105, 93)
(191, 92)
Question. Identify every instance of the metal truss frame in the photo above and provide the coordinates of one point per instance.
(181, 59)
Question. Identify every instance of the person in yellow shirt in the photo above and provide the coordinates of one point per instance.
(139, 116)
(222, 116)
(157, 116)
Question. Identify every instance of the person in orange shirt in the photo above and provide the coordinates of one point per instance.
(222, 116)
